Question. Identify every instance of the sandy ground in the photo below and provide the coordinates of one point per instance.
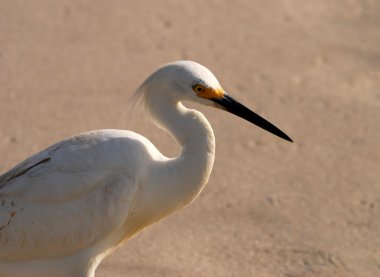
(271, 208)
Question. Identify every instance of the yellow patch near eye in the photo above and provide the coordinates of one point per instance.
(210, 93)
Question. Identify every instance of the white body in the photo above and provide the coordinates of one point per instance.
(64, 209)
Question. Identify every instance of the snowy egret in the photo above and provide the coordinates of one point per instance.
(67, 207)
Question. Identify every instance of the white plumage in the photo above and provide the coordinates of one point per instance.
(67, 207)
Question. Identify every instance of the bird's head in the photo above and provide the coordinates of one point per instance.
(187, 80)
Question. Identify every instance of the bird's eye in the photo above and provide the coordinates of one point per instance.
(198, 88)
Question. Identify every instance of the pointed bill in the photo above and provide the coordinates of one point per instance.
(229, 104)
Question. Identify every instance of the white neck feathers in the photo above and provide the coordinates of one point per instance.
(182, 178)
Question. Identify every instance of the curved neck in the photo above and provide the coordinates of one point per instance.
(179, 180)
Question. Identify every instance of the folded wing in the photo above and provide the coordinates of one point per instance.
(66, 198)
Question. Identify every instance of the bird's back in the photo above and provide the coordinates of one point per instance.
(72, 196)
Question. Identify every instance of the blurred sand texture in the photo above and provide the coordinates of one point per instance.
(271, 208)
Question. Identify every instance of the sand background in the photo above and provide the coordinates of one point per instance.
(271, 208)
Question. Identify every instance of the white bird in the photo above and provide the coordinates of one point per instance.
(67, 207)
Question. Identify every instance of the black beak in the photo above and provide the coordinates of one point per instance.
(231, 105)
